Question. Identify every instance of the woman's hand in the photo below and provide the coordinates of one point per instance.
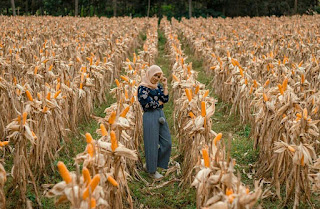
(160, 103)
(164, 81)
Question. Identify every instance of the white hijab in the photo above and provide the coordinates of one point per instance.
(146, 80)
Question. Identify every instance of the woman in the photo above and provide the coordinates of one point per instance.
(156, 134)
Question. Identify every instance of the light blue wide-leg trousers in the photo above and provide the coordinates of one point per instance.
(157, 140)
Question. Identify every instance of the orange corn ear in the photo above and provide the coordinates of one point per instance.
(188, 93)
(45, 109)
(114, 143)
(58, 86)
(251, 90)
(56, 94)
(265, 97)
(103, 130)
(90, 150)
(117, 82)
(302, 160)
(112, 181)
(299, 115)
(206, 93)
(241, 72)
(255, 84)
(124, 78)
(229, 191)
(246, 81)
(48, 96)
(132, 100)
(78, 59)
(86, 176)
(247, 190)
(89, 138)
(4, 143)
(81, 86)
(191, 115)
(19, 119)
(24, 118)
(112, 118)
(315, 110)
(206, 159)
(175, 78)
(203, 109)
(305, 113)
(285, 84)
(36, 70)
(125, 111)
(197, 89)
(280, 89)
(29, 96)
(266, 83)
(50, 68)
(93, 184)
(291, 149)
(93, 203)
(300, 64)
(302, 79)
(63, 170)
(217, 138)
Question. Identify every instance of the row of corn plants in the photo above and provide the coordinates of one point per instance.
(111, 159)
(270, 75)
(53, 71)
(213, 177)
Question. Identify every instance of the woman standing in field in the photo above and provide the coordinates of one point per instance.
(156, 134)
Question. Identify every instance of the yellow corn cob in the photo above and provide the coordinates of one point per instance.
(112, 181)
(265, 97)
(206, 93)
(114, 143)
(305, 113)
(93, 184)
(191, 115)
(63, 170)
(203, 109)
(90, 150)
(86, 176)
(103, 130)
(56, 94)
(125, 111)
(188, 93)
(112, 118)
(175, 78)
(291, 149)
(89, 138)
(266, 83)
(217, 138)
(197, 89)
(24, 118)
(29, 95)
(206, 158)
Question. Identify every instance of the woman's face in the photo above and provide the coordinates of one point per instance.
(155, 78)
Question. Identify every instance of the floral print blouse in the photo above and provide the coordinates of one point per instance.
(149, 98)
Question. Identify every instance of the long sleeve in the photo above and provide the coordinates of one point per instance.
(163, 98)
(146, 101)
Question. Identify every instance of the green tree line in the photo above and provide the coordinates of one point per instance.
(142, 8)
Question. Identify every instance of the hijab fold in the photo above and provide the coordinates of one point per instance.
(146, 80)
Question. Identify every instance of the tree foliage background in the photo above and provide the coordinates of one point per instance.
(169, 8)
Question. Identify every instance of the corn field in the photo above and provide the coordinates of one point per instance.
(55, 70)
